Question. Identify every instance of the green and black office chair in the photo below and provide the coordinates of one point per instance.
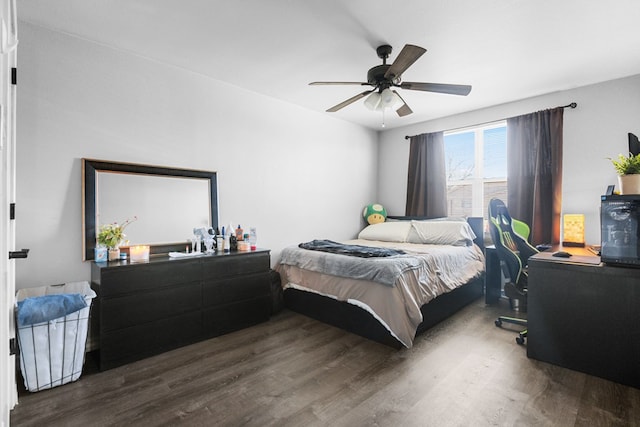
(510, 239)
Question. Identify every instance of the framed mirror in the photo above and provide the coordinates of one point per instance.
(163, 204)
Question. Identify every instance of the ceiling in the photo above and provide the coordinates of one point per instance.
(506, 49)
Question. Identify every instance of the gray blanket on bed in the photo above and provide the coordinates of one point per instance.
(324, 245)
(385, 270)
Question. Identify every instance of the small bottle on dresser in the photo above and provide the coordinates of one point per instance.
(227, 243)
(220, 240)
(253, 238)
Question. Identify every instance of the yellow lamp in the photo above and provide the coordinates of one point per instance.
(573, 234)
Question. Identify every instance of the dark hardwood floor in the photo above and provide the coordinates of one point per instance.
(294, 371)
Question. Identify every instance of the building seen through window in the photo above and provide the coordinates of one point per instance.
(476, 167)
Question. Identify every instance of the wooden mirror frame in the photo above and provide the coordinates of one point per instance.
(91, 167)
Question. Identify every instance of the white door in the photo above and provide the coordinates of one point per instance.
(8, 43)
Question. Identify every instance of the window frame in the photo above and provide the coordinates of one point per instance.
(477, 181)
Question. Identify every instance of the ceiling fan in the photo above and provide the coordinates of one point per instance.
(384, 77)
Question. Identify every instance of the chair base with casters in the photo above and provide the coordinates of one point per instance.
(520, 339)
(515, 293)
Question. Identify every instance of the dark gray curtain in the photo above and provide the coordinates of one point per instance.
(534, 172)
(427, 180)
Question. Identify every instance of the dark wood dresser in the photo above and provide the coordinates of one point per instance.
(143, 309)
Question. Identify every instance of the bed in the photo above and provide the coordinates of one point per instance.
(427, 271)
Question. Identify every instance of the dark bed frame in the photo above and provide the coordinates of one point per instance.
(358, 321)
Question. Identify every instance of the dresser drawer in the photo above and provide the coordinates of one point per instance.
(235, 316)
(140, 277)
(132, 309)
(225, 291)
(243, 263)
(140, 341)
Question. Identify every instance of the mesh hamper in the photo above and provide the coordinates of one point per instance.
(52, 353)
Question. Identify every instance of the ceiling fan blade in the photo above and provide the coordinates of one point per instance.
(338, 83)
(404, 110)
(408, 55)
(437, 87)
(349, 101)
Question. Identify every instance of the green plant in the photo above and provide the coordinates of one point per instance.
(626, 165)
(110, 235)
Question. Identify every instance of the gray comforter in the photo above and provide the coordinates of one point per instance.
(385, 270)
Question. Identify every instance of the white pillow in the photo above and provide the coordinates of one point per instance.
(394, 231)
(441, 232)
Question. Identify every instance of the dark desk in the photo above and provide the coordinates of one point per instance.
(493, 269)
(578, 255)
(584, 315)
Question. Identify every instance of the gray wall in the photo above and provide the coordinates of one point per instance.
(292, 173)
(594, 131)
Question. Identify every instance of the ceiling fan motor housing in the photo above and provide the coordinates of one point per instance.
(375, 77)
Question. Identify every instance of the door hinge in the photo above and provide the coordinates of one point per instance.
(12, 211)
(19, 254)
(14, 76)
(13, 348)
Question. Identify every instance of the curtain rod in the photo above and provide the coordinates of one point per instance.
(571, 105)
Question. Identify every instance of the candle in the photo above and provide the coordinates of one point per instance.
(139, 253)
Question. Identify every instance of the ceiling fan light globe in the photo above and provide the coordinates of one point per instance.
(373, 101)
(388, 99)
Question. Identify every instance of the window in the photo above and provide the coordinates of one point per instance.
(476, 168)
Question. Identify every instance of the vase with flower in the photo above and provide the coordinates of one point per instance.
(112, 237)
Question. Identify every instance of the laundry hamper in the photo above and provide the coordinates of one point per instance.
(52, 350)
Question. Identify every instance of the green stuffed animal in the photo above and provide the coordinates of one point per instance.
(374, 213)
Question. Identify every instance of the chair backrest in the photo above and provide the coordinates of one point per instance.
(510, 239)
